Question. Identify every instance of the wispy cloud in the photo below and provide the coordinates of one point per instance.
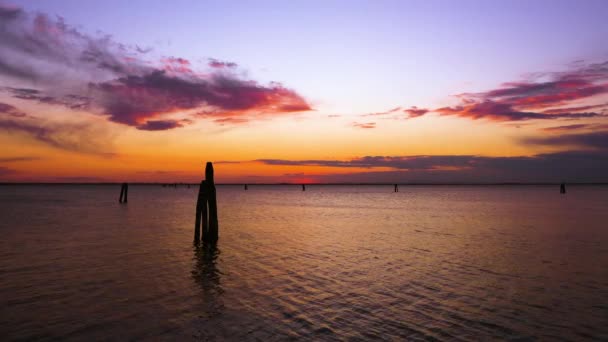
(576, 127)
(10, 110)
(80, 71)
(214, 63)
(364, 125)
(82, 137)
(388, 112)
(414, 111)
(498, 111)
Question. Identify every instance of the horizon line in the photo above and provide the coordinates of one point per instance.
(299, 184)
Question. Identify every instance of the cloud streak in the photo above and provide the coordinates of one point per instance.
(364, 125)
(591, 140)
(11, 110)
(571, 166)
(576, 127)
(532, 100)
(18, 159)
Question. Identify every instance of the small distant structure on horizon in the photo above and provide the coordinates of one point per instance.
(124, 191)
(246, 187)
(396, 188)
(303, 187)
(206, 221)
(562, 188)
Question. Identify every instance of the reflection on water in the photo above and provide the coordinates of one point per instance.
(207, 275)
(331, 262)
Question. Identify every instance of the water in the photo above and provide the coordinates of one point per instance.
(334, 262)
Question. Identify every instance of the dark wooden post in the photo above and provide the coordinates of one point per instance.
(396, 188)
(245, 186)
(124, 191)
(213, 222)
(303, 187)
(206, 210)
(562, 188)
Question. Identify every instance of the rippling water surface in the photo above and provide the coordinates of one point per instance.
(334, 262)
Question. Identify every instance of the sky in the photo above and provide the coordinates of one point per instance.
(304, 91)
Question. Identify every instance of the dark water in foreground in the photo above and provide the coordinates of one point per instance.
(334, 262)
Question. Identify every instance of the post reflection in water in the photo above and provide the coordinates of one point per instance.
(207, 275)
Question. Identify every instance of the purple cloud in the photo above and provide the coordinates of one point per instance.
(11, 110)
(159, 125)
(117, 81)
(214, 63)
(592, 140)
(576, 127)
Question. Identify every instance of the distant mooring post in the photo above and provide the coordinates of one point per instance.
(562, 188)
(245, 186)
(396, 188)
(303, 187)
(124, 191)
(206, 209)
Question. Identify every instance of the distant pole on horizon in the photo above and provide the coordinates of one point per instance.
(124, 192)
(562, 188)
(303, 187)
(396, 188)
(245, 186)
(206, 209)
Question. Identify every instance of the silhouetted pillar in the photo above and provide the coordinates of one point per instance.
(303, 187)
(213, 222)
(124, 191)
(396, 188)
(245, 186)
(206, 210)
(562, 188)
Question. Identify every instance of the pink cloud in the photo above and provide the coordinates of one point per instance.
(414, 111)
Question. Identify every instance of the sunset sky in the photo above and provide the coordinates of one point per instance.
(304, 91)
